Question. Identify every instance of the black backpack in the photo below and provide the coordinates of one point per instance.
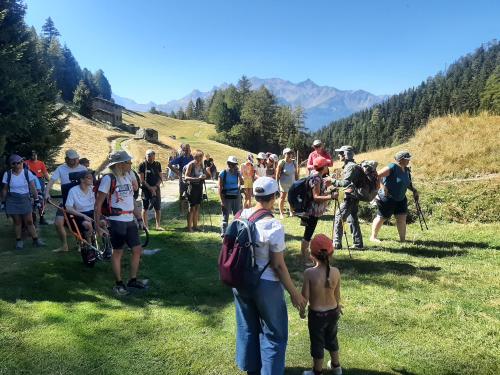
(367, 186)
(300, 196)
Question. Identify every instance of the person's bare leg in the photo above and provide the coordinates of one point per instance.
(401, 225)
(116, 263)
(28, 220)
(136, 260)
(318, 364)
(158, 219)
(18, 226)
(59, 223)
(196, 216)
(190, 219)
(282, 204)
(335, 359)
(145, 218)
(376, 225)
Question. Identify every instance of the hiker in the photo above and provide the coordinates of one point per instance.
(18, 183)
(391, 198)
(40, 170)
(118, 187)
(177, 165)
(319, 205)
(61, 174)
(261, 168)
(150, 174)
(272, 161)
(80, 203)
(85, 162)
(194, 178)
(287, 173)
(321, 288)
(248, 174)
(261, 314)
(319, 151)
(209, 167)
(230, 181)
(348, 209)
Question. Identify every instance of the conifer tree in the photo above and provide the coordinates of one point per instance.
(82, 99)
(102, 85)
(49, 30)
(190, 111)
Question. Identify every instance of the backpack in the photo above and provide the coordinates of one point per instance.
(106, 209)
(237, 266)
(367, 187)
(300, 196)
(9, 177)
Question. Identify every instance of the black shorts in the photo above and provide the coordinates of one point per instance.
(323, 326)
(123, 232)
(310, 224)
(79, 222)
(387, 207)
(148, 199)
(194, 194)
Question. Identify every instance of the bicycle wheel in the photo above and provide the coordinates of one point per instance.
(105, 248)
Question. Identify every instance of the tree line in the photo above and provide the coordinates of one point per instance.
(38, 78)
(470, 85)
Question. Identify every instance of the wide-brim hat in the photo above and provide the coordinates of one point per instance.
(402, 155)
(118, 157)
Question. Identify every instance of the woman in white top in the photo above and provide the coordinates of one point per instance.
(81, 201)
(261, 168)
(18, 183)
(286, 174)
(261, 314)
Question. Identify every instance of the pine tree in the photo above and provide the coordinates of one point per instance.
(82, 99)
(49, 30)
(153, 110)
(180, 114)
(219, 114)
(490, 97)
(199, 109)
(190, 111)
(72, 74)
(172, 114)
(244, 87)
(89, 80)
(102, 85)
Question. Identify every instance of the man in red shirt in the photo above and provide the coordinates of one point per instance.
(40, 171)
(318, 151)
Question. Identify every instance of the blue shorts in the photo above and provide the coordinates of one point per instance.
(388, 207)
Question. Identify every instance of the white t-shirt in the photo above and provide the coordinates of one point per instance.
(62, 173)
(123, 196)
(269, 236)
(18, 183)
(79, 200)
(261, 170)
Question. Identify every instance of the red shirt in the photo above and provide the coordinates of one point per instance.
(315, 154)
(37, 167)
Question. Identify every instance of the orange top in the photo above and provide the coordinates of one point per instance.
(247, 170)
(37, 167)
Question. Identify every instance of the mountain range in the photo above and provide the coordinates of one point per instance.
(322, 104)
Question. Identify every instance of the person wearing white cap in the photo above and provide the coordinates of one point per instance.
(230, 181)
(61, 174)
(286, 174)
(261, 168)
(150, 173)
(318, 151)
(272, 162)
(248, 174)
(261, 316)
(119, 187)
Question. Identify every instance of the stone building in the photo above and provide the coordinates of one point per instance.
(148, 134)
(107, 111)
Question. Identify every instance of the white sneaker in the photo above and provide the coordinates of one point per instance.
(308, 372)
(336, 370)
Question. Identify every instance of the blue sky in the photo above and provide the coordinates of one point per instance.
(162, 50)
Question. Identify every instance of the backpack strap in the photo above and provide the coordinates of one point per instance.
(259, 214)
(9, 178)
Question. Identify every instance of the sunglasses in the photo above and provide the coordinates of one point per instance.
(16, 163)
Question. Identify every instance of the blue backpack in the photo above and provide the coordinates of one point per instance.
(237, 266)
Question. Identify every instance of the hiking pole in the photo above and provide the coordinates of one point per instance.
(422, 214)
(418, 213)
(344, 229)
(334, 214)
(208, 203)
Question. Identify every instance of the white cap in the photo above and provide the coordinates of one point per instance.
(232, 159)
(261, 155)
(265, 186)
(274, 157)
(317, 142)
(150, 152)
(287, 150)
(72, 154)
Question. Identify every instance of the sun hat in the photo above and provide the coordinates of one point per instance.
(118, 157)
(274, 157)
(150, 152)
(265, 186)
(321, 242)
(250, 158)
(72, 154)
(232, 160)
(287, 150)
(261, 155)
(345, 148)
(15, 159)
(321, 162)
(402, 155)
(317, 142)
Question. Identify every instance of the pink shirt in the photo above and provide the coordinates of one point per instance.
(315, 154)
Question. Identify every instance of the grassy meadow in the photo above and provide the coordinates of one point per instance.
(430, 306)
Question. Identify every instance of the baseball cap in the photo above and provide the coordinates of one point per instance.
(72, 154)
(232, 160)
(265, 186)
(274, 157)
(321, 242)
(15, 159)
(150, 152)
(345, 148)
(321, 162)
(261, 155)
(317, 142)
(118, 157)
(287, 150)
(402, 155)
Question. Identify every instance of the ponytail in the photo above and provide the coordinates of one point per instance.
(323, 258)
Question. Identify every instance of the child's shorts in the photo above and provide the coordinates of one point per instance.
(323, 331)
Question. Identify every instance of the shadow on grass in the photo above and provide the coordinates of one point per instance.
(453, 245)
(423, 252)
(350, 371)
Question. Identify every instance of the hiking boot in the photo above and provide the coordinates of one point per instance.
(120, 289)
(38, 243)
(137, 284)
(42, 221)
(358, 247)
(19, 244)
(337, 246)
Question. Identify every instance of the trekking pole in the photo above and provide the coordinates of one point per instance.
(422, 214)
(334, 214)
(418, 213)
(344, 229)
(208, 203)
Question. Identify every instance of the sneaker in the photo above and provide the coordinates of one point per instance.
(137, 284)
(358, 247)
(308, 372)
(120, 290)
(38, 243)
(335, 370)
(19, 244)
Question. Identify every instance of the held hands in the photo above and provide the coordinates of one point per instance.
(298, 301)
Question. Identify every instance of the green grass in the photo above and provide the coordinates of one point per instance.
(430, 306)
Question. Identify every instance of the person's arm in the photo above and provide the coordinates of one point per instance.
(297, 170)
(310, 161)
(160, 180)
(384, 172)
(279, 266)
(348, 177)
(187, 174)
(317, 195)
(337, 289)
(45, 173)
(172, 165)
(54, 178)
(4, 192)
(279, 170)
(99, 200)
(240, 179)
(305, 293)
(221, 187)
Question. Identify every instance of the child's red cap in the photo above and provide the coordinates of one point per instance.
(321, 242)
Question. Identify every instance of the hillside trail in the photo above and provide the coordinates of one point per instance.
(491, 176)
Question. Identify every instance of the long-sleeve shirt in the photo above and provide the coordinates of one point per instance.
(352, 175)
(315, 154)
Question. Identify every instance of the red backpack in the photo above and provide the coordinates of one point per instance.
(237, 266)
(106, 209)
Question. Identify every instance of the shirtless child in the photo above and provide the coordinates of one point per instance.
(322, 289)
